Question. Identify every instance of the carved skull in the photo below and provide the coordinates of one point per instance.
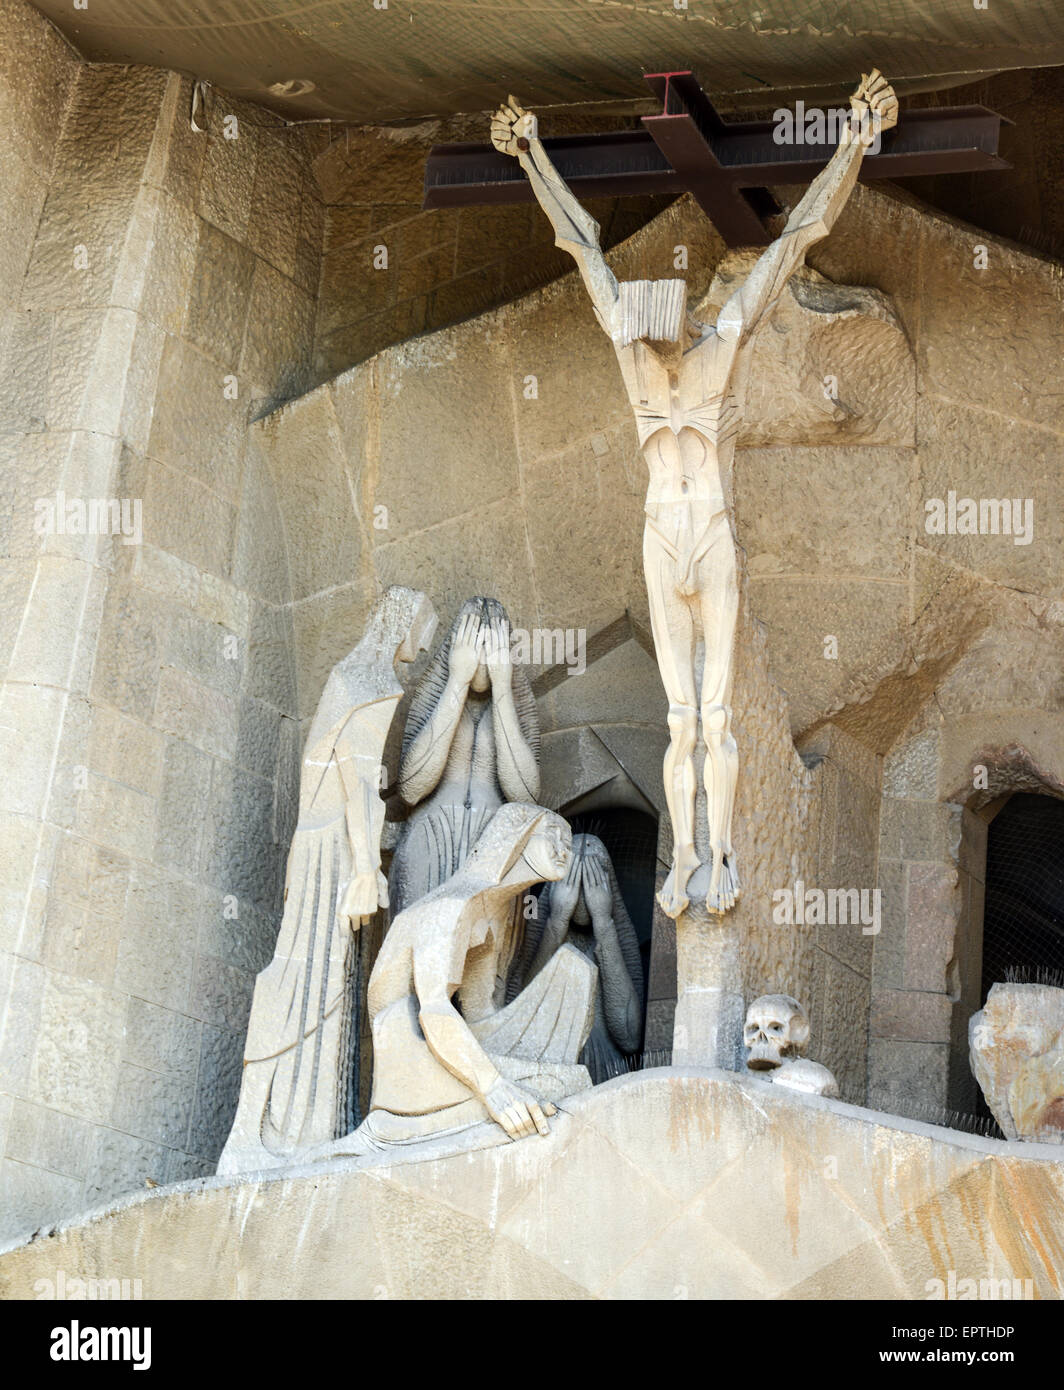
(777, 1028)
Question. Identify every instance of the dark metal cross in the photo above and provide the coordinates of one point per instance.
(726, 165)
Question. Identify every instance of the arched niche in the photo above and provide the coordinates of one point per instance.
(604, 739)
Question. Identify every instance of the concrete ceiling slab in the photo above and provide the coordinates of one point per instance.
(350, 61)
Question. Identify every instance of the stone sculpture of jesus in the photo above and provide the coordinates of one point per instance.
(682, 378)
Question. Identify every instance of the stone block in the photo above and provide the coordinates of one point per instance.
(889, 947)
(911, 1016)
(115, 816)
(271, 674)
(32, 1198)
(130, 645)
(166, 574)
(48, 1139)
(220, 1070)
(258, 733)
(182, 1167)
(311, 487)
(51, 647)
(483, 552)
(932, 913)
(326, 629)
(908, 1078)
(170, 266)
(910, 769)
(227, 179)
(79, 941)
(280, 331)
(188, 519)
(221, 290)
(27, 851)
(179, 833)
(286, 800)
(277, 203)
(223, 603)
(839, 1021)
(239, 855)
(31, 721)
(79, 1044)
(152, 1105)
(155, 960)
(120, 1164)
(928, 831)
(585, 521)
(221, 994)
(126, 750)
(161, 1040)
(195, 713)
(207, 652)
(258, 568)
(867, 619)
(429, 382)
(960, 454)
(211, 450)
(785, 529)
(974, 346)
(244, 941)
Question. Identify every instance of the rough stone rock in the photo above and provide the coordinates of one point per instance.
(1017, 1055)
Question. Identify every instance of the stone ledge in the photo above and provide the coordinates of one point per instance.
(659, 1184)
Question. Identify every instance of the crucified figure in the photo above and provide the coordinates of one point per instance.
(682, 376)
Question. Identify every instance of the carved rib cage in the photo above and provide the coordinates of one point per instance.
(652, 309)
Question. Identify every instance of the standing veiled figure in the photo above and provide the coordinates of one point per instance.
(300, 1055)
(471, 743)
(585, 909)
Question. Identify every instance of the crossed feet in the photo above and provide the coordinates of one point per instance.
(721, 894)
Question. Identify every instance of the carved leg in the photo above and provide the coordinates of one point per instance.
(720, 605)
(674, 639)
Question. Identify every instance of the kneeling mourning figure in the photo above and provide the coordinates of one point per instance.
(438, 1070)
(585, 910)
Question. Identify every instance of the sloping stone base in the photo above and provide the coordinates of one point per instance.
(661, 1184)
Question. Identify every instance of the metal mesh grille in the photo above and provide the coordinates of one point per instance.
(1023, 924)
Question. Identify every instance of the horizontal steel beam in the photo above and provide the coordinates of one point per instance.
(725, 165)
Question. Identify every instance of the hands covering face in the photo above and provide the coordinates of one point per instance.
(587, 874)
(476, 642)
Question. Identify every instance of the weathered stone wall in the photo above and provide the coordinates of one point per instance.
(439, 266)
(154, 694)
(159, 289)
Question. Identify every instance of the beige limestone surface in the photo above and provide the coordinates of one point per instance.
(642, 1190)
(125, 980)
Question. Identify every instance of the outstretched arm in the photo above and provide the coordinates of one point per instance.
(874, 107)
(513, 132)
(452, 1043)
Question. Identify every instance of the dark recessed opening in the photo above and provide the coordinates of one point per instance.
(1023, 922)
(631, 839)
